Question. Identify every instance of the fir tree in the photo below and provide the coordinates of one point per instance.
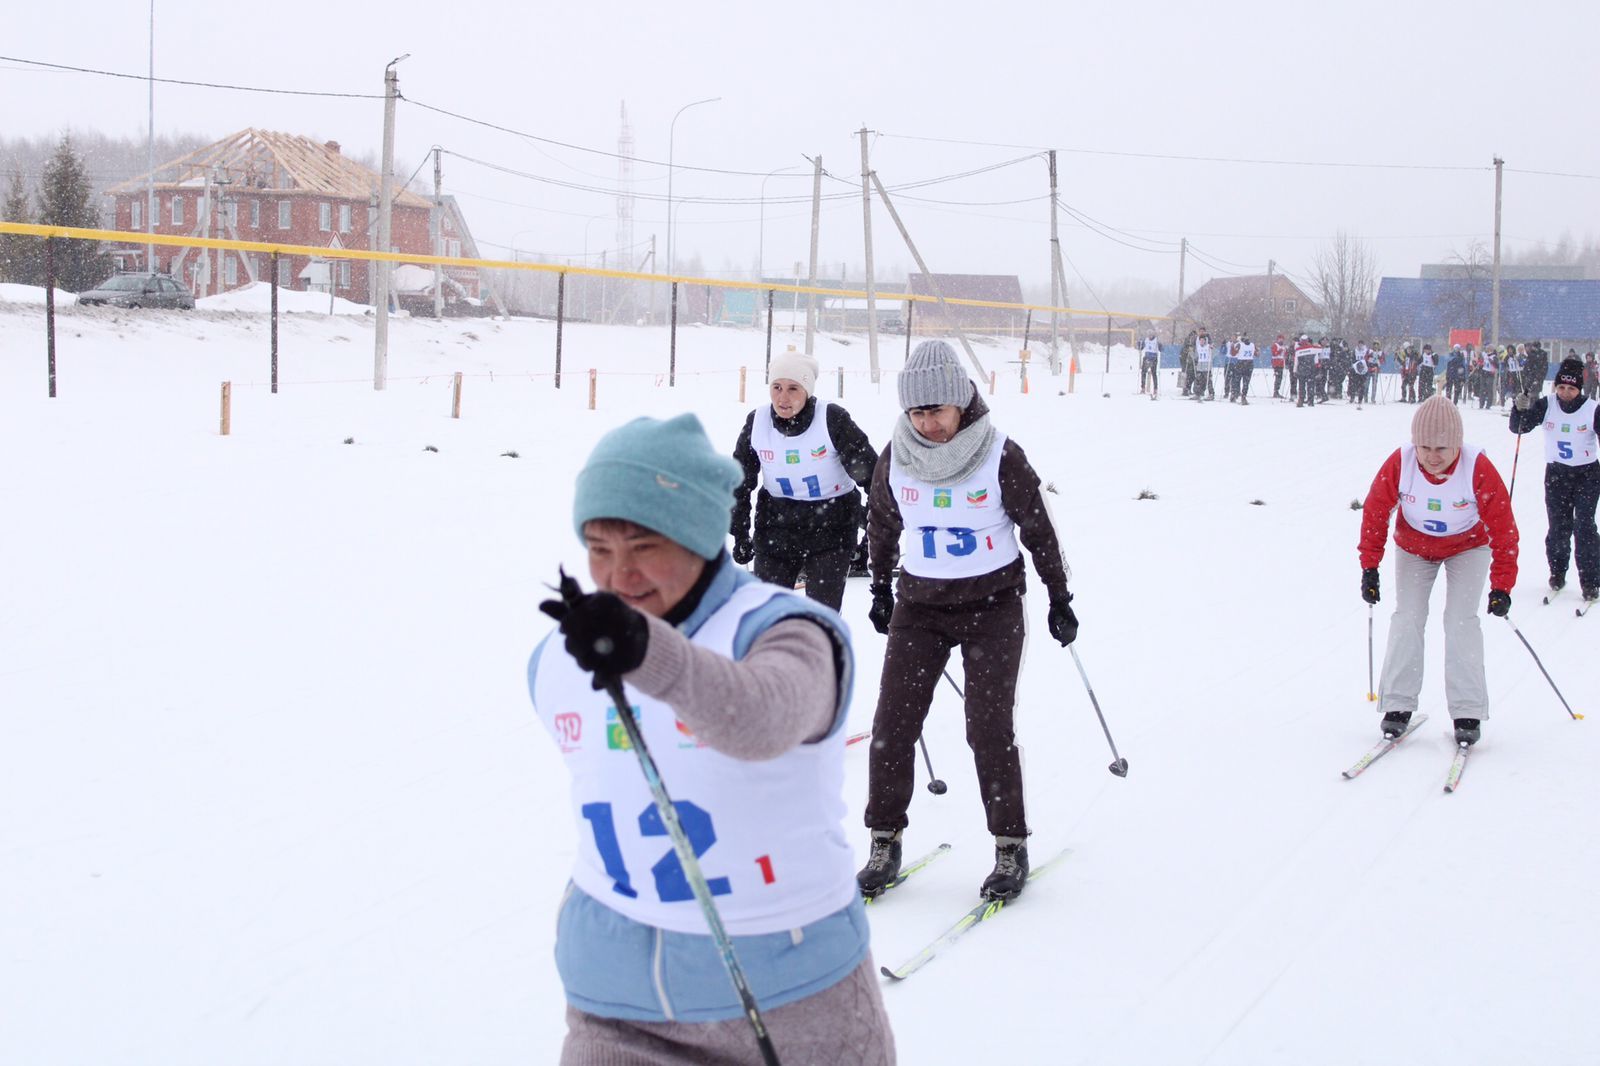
(19, 255)
(66, 199)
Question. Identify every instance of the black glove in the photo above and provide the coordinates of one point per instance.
(882, 608)
(1523, 401)
(1063, 623)
(604, 635)
(1369, 584)
(744, 549)
(1499, 602)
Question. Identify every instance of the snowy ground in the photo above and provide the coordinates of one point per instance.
(271, 791)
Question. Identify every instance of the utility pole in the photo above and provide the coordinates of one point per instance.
(1055, 274)
(866, 229)
(1272, 310)
(1183, 260)
(816, 226)
(938, 294)
(150, 151)
(1494, 298)
(437, 224)
(380, 353)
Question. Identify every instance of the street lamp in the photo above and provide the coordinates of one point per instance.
(672, 131)
(761, 239)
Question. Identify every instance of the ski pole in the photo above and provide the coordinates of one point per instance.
(1120, 765)
(935, 784)
(1512, 492)
(1372, 693)
(680, 845)
(1539, 664)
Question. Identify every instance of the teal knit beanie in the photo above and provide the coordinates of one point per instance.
(664, 476)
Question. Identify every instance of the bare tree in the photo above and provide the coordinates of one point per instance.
(1345, 276)
(1465, 298)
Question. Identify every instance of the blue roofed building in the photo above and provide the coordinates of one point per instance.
(1557, 305)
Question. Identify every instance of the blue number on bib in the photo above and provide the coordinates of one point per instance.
(672, 885)
(605, 839)
(1564, 449)
(965, 543)
(813, 486)
(1434, 525)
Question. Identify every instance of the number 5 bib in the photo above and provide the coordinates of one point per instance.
(956, 530)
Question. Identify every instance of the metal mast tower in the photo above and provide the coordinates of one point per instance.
(626, 306)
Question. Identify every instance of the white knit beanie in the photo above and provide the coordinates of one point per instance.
(797, 367)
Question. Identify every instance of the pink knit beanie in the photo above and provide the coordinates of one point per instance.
(1437, 423)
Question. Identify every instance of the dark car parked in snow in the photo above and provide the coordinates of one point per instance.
(139, 290)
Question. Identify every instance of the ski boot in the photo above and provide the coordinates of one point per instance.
(1467, 731)
(883, 864)
(1558, 582)
(1010, 870)
(1395, 722)
(1591, 593)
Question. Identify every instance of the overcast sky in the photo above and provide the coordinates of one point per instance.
(1123, 91)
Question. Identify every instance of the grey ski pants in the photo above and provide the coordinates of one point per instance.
(1466, 691)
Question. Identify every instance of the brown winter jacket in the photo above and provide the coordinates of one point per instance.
(1024, 504)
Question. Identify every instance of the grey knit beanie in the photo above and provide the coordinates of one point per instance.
(933, 377)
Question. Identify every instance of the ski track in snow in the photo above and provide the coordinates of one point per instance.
(273, 791)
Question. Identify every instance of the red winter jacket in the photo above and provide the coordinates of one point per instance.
(1497, 526)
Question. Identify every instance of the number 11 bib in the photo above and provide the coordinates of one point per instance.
(955, 530)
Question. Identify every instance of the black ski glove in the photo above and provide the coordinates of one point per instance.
(744, 549)
(604, 635)
(1063, 623)
(1499, 602)
(1369, 584)
(1523, 401)
(882, 608)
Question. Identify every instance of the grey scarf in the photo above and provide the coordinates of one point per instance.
(943, 464)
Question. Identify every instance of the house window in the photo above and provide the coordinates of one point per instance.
(284, 210)
(230, 213)
(177, 210)
(255, 214)
(138, 216)
(344, 273)
(325, 217)
(344, 218)
(285, 273)
(452, 249)
(1288, 306)
(1272, 305)
(230, 271)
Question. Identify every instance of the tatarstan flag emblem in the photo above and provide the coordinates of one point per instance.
(978, 498)
(819, 452)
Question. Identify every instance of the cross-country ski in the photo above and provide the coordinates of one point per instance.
(1382, 748)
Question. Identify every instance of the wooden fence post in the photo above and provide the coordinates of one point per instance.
(592, 375)
(741, 385)
(227, 407)
(994, 376)
(561, 314)
(455, 402)
(841, 383)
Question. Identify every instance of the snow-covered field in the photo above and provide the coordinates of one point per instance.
(271, 791)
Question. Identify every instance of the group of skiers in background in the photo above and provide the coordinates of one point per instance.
(1322, 370)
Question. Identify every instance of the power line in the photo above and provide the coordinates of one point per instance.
(1209, 158)
(193, 84)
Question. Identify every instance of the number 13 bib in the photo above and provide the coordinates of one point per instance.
(955, 530)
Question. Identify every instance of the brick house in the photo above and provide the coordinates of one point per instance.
(258, 185)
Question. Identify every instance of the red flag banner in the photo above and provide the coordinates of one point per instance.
(1465, 337)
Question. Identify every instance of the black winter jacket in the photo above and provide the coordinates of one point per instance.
(794, 528)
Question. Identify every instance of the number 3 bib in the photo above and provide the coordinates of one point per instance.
(956, 530)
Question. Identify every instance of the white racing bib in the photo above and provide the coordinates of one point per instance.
(958, 530)
(1442, 510)
(769, 835)
(806, 467)
(1570, 439)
